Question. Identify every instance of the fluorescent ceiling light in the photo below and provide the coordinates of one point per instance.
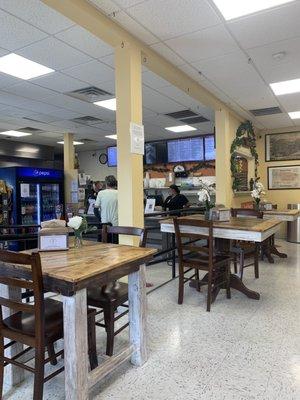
(237, 8)
(75, 143)
(286, 87)
(28, 150)
(15, 133)
(110, 104)
(181, 128)
(21, 67)
(114, 137)
(294, 114)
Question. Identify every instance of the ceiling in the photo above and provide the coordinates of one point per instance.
(232, 59)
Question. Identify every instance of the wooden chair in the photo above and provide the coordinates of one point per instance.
(109, 299)
(242, 250)
(194, 255)
(38, 325)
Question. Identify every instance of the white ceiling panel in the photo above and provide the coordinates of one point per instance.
(84, 41)
(159, 103)
(54, 54)
(38, 106)
(108, 60)
(153, 81)
(59, 82)
(106, 6)
(276, 121)
(8, 80)
(127, 3)
(38, 117)
(16, 33)
(93, 72)
(207, 43)
(169, 18)
(11, 99)
(267, 27)
(168, 53)
(38, 14)
(63, 114)
(30, 91)
(135, 28)
(291, 102)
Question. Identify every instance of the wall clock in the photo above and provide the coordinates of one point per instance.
(103, 158)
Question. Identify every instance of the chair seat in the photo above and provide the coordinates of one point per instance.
(24, 323)
(195, 260)
(97, 298)
(245, 247)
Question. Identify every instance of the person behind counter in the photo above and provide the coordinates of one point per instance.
(175, 201)
(107, 202)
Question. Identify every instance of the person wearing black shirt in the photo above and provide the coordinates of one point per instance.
(175, 201)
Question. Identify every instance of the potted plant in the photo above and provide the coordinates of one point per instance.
(80, 226)
(257, 193)
(204, 196)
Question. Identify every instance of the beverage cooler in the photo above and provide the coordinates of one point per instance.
(37, 193)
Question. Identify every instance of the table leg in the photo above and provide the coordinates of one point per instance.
(76, 346)
(237, 284)
(137, 315)
(173, 256)
(13, 374)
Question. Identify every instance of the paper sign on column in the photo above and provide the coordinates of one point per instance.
(25, 191)
(74, 185)
(150, 205)
(81, 194)
(137, 138)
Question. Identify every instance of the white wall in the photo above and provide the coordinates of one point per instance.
(89, 164)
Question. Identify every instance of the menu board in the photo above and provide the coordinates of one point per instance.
(209, 145)
(190, 149)
(112, 156)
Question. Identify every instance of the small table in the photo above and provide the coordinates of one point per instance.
(249, 229)
(70, 273)
(284, 216)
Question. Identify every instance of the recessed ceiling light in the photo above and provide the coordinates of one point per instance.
(110, 104)
(15, 133)
(294, 114)
(114, 137)
(286, 87)
(26, 149)
(181, 128)
(20, 67)
(75, 143)
(237, 8)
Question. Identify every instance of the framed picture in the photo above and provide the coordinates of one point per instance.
(282, 146)
(284, 177)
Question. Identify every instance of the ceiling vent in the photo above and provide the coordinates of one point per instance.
(29, 129)
(33, 120)
(87, 120)
(89, 94)
(194, 120)
(182, 114)
(259, 112)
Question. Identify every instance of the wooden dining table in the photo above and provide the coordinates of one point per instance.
(69, 273)
(247, 229)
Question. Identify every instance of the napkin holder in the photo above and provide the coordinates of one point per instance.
(53, 238)
(220, 214)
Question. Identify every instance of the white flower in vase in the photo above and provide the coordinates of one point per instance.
(75, 222)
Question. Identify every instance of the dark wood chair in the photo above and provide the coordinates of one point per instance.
(110, 297)
(196, 253)
(37, 325)
(243, 250)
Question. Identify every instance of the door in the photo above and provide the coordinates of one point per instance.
(50, 201)
(29, 203)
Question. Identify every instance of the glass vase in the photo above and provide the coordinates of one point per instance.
(78, 241)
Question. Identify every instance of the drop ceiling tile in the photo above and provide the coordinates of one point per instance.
(153, 81)
(38, 106)
(106, 6)
(63, 114)
(54, 54)
(127, 3)
(11, 99)
(8, 80)
(37, 14)
(93, 72)
(168, 53)
(16, 33)
(276, 121)
(81, 39)
(38, 117)
(170, 18)
(30, 91)
(108, 60)
(59, 82)
(207, 43)
(135, 28)
(291, 102)
(269, 26)
(158, 102)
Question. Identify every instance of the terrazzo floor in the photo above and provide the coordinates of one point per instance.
(242, 350)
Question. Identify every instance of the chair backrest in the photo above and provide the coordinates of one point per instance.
(246, 212)
(187, 241)
(124, 230)
(12, 277)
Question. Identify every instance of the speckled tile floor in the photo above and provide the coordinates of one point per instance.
(242, 350)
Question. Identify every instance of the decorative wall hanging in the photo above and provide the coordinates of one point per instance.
(282, 146)
(284, 177)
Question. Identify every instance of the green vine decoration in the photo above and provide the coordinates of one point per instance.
(201, 165)
(245, 136)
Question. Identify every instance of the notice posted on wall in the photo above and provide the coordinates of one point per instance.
(137, 138)
(25, 191)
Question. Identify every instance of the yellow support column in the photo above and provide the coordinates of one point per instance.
(129, 109)
(69, 171)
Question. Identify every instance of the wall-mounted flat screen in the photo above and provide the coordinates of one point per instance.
(112, 156)
(189, 149)
(209, 148)
(156, 153)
